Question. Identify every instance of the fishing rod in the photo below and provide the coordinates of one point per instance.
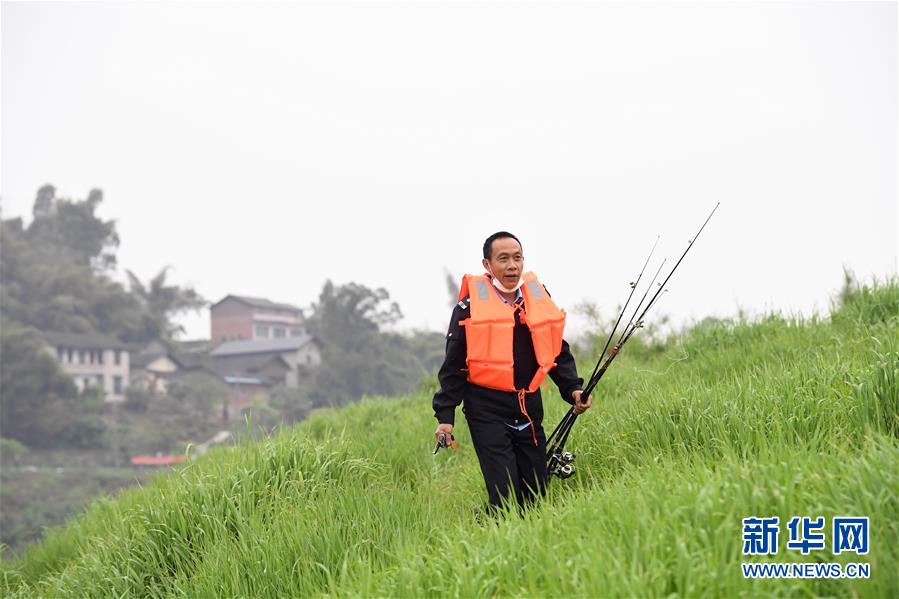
(633, 286)
(560, 435)
(560, 462)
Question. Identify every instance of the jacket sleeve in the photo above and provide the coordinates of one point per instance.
(453, 380)
(564, 374)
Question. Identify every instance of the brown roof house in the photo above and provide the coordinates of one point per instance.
(248, 376)
(241, 317)
(299, 353)
(259, 345)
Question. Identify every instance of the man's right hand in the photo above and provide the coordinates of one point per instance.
(446, 429)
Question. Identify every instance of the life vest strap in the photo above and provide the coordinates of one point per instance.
(521, 393)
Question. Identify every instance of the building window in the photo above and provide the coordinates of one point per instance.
(261, 331)
(296, 332)
(61, 353)
(81, 356)
(100, 380)
(69, 351)
(118, 357)
(279, 331)
(100, 357)
(117, 385)
(90, 356)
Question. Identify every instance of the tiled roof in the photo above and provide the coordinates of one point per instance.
(258, 302)
(191, 360)
(259, 346)
(140, 360)
(82, 340)
(242, 365)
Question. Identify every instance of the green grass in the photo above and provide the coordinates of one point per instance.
(34, 500)
(778, 417)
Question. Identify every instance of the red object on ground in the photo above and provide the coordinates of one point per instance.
(153, 460)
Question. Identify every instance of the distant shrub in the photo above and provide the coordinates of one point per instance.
(137, 399)
(869, 303)
(11, 450)
(85, 431)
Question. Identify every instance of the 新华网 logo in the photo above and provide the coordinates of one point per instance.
(848, 534)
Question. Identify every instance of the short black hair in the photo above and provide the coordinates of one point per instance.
(488, 245)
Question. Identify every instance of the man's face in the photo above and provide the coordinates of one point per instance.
(506, 261)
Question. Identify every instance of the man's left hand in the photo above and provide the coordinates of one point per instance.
(580, 408)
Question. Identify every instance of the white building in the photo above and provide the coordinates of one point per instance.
(92, 361)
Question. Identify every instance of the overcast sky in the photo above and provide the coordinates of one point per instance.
(260, 149)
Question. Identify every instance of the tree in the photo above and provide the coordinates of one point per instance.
(56, 275)
(189, 412)
(200, 396)
(357, 357)
(346, 312)
(160, 302)
(43, 203)
(73, 229)
(40, 405)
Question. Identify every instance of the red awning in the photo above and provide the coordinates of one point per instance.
(153, 460)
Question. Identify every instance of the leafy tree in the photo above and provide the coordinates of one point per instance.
(201, 396)
(56, 275)
(160, 302)
(357, 357)
(189, 412)
(43, 203)
(40, 405)
(73, 227)
(346, 313)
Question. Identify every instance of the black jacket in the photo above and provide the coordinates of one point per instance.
(482, 403)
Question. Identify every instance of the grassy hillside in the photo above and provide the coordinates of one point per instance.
(779, 417)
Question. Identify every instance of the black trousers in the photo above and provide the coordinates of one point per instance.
(510, 462)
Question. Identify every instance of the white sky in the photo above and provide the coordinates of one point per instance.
(262, 148)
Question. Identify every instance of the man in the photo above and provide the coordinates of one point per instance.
(504, 337)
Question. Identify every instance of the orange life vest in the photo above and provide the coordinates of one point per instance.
(488, 333)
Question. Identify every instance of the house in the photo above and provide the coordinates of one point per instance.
(299, 353)
(238, 317)
(268, 369)
(92, 360)
(248, 376)
(154, 366)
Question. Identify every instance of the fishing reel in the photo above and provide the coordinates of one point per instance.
(561, 464)
(442, 442)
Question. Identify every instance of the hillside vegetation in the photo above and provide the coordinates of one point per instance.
(777, 417)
